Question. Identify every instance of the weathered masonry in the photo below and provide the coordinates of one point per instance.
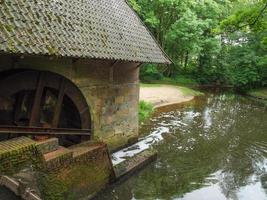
(69, 69)
(93, 47)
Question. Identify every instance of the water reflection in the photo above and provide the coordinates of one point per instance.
(215, 148)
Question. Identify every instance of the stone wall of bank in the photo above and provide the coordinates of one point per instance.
(78, 172)
(111, 89)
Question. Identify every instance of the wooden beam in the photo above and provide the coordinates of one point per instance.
(21, 130)
(59, 104)
(18, 107)
(111, 72)
(36, 108)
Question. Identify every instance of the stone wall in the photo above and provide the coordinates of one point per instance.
(78, 172)
(16, 154)
(111, 89)
(80, 176)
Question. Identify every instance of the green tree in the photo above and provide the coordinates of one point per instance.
(212, 41)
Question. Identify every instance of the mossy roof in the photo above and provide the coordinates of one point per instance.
(102, 29)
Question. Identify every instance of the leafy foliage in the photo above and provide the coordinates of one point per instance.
(211, 41)
(145, 110)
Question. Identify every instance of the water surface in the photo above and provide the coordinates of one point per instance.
(213, 148)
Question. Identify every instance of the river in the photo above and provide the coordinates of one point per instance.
(212, 148)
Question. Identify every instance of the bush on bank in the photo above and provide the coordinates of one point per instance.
(145, 111)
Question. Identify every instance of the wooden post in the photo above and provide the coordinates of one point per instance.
(36, 108)
(59, 104)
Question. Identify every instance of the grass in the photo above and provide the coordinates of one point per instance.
(179, 80)
(150, 85)
(146, 108)
(190, 92)
(259, 93)
(145, 111)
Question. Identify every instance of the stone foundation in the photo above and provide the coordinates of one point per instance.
(79, 174)
(62, 174)
(111, 89)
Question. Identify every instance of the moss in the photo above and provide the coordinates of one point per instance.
(11, 46)
(87, 179)
(14, 161)
(85, 175)
(51, 187)
(51, 50)
(74, 182)
(117, 142)
(10, 43)
(9, 28)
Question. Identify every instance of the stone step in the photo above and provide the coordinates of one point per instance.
(80, 150)
(48, 145)
(15, 144)
(134, 163)
(58, 159)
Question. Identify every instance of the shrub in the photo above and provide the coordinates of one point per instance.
(145, 110)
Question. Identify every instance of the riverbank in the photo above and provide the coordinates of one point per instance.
(198, 152)
(259, 93)
(162, 95)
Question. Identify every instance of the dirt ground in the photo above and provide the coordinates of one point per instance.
(163, 95)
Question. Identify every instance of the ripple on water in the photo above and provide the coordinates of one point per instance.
(212, 148)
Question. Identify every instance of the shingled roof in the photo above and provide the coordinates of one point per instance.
(102, 29)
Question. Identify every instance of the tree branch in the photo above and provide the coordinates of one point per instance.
(254, 21)
(258, 17)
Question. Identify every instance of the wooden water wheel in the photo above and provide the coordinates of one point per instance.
(42, 103)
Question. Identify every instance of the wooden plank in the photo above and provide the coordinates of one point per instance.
(17, 107)
(59, 104)
(42, 131)
(36, 108)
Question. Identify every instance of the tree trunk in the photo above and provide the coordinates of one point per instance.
(186, 59)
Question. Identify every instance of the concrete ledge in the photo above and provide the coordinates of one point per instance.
(48, 146)
(10, 184)
(83, 170)
(128, 167)
(130, 142)
(18, 189)
(133, 164)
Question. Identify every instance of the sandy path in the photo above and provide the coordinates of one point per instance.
(163, 95)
